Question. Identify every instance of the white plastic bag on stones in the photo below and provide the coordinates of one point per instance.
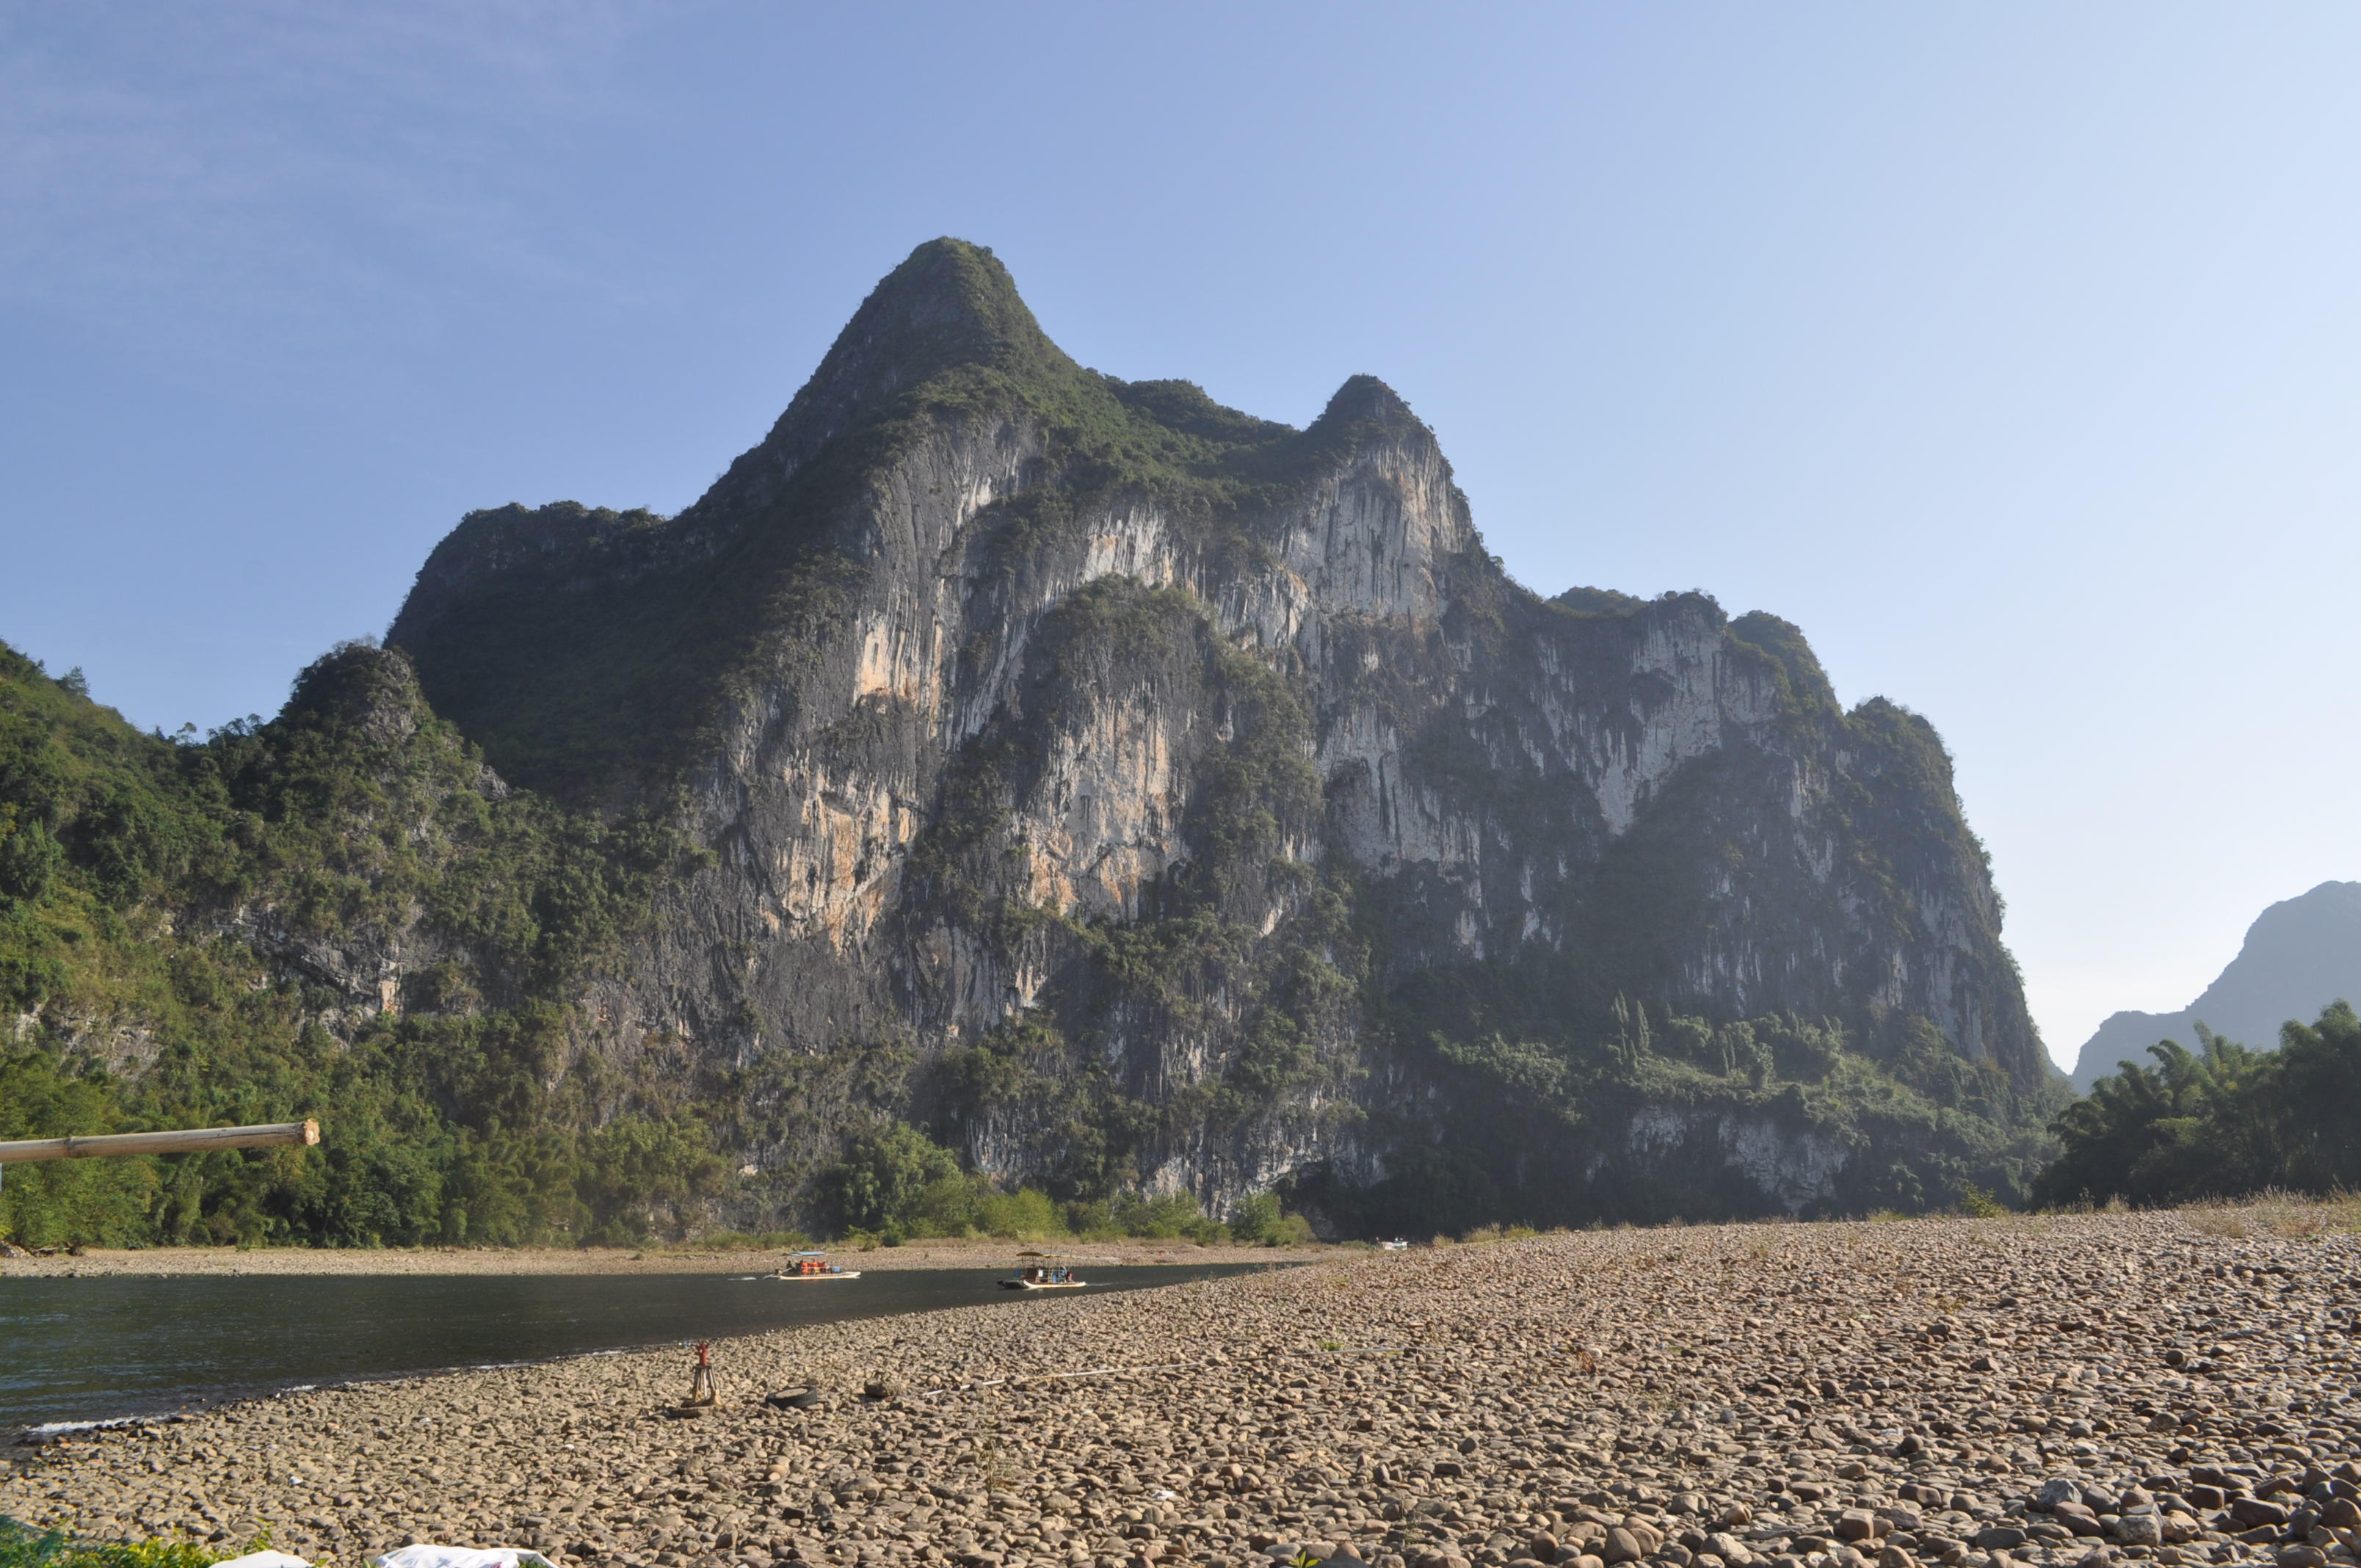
(460, 1557)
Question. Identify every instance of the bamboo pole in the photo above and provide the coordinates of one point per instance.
(189, 1140)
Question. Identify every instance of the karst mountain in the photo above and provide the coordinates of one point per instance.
(1128, 794)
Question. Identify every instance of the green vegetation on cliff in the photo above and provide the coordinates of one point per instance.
(1569, 1102)
(189, 935)
(163, 902)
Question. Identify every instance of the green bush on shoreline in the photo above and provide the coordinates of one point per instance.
(23, 1547)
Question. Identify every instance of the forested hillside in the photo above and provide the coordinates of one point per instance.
(190, 935)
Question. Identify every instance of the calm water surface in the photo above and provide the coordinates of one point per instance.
(88, 1349)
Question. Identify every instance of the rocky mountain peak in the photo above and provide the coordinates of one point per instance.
(1365, 399)
(361, 691)
(1808, 683)
(950, 306)
(1366, 412)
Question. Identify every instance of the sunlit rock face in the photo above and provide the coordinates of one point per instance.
(1124, 789)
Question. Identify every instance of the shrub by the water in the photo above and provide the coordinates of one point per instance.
(21, 1547)
(1261, 1220)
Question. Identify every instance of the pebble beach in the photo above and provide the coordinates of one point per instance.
(2167, 1388)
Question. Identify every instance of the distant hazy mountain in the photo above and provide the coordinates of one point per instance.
(2300, 955)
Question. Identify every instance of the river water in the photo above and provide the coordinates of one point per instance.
(95, 1348)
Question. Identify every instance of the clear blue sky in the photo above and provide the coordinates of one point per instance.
(2015, 352)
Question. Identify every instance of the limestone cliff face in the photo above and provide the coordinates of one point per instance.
(1085, 767)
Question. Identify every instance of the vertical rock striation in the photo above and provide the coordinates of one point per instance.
(1143, 794)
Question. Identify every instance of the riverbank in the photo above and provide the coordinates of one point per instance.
(1819, 1396)
(266, 1261)
(78, 1351)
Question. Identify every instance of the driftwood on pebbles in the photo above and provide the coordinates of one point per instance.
(1987, 1393)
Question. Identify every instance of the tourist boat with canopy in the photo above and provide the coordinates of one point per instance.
(1043, 1271)
(814, 1265)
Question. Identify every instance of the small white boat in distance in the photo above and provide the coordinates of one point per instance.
(814, 1265)
(1046, 1274)
(1397, 1245)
